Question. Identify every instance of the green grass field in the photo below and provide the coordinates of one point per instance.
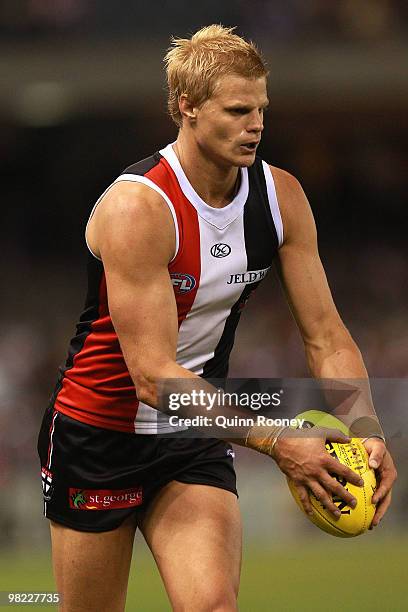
(367, 574)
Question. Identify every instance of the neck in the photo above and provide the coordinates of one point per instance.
(216, 185)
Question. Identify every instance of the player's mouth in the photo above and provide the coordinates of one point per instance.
(250, 147)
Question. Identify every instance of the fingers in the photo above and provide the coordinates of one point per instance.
(386, 477)
(384, 488)
(386, 482)
(335, 467)
(382, 508)
(328, 491)
(325, 499)
(386, 474)
(339, 492)
(304, 499)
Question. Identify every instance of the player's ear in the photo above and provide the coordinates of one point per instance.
(187, 108)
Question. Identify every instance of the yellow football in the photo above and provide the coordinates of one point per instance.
(353, 521)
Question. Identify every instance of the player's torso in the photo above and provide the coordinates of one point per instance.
(222, 254)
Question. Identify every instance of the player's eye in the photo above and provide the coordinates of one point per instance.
(238, 111)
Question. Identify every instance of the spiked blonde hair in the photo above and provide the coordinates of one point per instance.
(195, 65)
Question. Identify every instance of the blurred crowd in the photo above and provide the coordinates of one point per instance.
(281, 20)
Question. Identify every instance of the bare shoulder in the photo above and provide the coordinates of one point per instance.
(130, 215)
(297, 217)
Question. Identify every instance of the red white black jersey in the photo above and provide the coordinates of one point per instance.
(221, 256)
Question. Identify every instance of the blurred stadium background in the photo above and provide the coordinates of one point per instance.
(82, 97)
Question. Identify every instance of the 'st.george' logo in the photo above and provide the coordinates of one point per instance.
(220, 250)
(104, 499)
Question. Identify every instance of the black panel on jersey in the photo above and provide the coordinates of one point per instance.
(88, 316)
(91, 309)
(217, 366)
(261, 243)
(261, 240)
(143, 166)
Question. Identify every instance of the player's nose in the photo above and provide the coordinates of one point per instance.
(256, 122)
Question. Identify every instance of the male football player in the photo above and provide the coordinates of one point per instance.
(177, 245)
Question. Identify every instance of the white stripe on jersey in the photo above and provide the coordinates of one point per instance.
(148, 420)
(51, 449)
(201, 330)
(273, 202)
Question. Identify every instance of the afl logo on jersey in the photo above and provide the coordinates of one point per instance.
(220, 250)
(182, 283)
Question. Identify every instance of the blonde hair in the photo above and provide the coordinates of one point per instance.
(194, 65)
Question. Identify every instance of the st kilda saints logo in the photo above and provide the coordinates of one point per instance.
(220, 250)
(48, 487)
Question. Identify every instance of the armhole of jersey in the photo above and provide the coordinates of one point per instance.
(273, 202)
(135, 178)
(90, 217)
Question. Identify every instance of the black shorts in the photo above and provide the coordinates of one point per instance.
(94, 478)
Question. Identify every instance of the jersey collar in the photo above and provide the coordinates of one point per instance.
(220, 217)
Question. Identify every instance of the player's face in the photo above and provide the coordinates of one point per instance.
(229, 124)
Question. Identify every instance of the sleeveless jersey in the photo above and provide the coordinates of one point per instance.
(221, 256)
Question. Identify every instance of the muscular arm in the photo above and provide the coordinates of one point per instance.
(330, 351)
(133, 232)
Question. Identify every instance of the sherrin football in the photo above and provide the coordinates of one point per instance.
(353, 521)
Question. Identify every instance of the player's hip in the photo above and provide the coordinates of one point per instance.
(93, 478)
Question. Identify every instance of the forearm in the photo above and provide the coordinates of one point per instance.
(178, 392)
(340, 365)
(170, 381)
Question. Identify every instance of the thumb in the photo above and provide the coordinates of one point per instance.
(376, 456)
(375, 460)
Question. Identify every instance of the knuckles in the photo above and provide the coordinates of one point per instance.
(303, 474)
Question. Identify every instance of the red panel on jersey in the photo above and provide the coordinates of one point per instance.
(185, 269)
